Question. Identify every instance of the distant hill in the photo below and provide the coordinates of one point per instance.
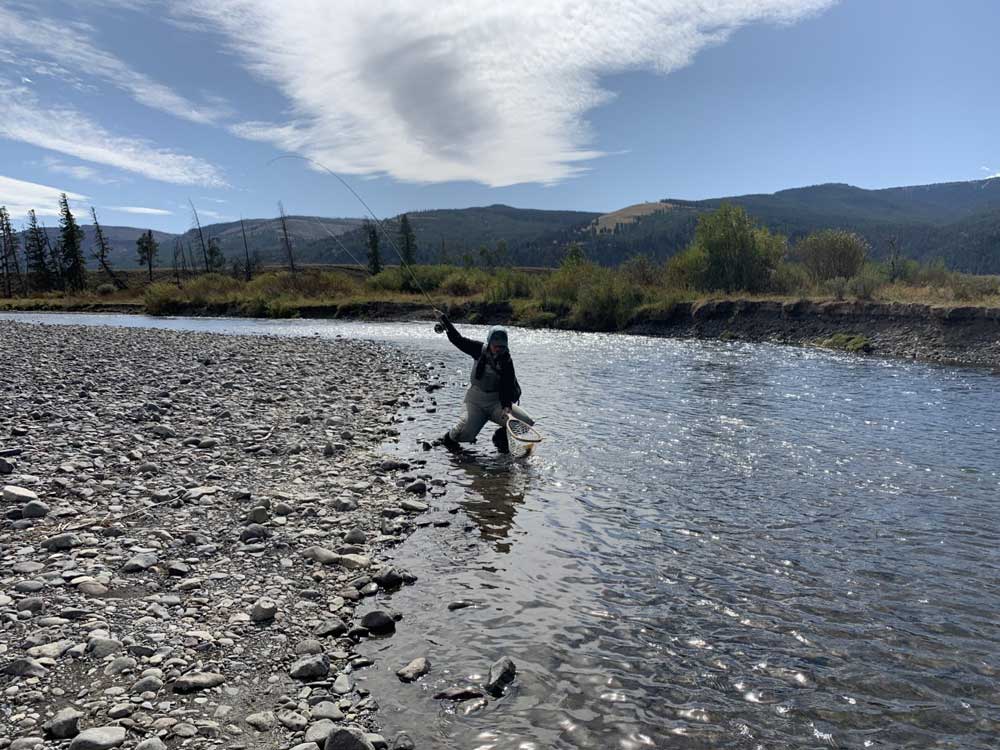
(958, 222)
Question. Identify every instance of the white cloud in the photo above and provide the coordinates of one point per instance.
(143, 210)
(990, 172)
(495, 92)
(73, 53)
(77, 171)
(19, 196)
(68, 131)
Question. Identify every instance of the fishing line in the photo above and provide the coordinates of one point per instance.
(334, 237)
(378, 222)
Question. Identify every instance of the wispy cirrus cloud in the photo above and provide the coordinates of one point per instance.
(990, 172)
(141, 210)
(67, 50)
(71, 132)
(19, 196)
(77, 171)
(496, 93)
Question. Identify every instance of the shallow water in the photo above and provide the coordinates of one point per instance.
(717, 546)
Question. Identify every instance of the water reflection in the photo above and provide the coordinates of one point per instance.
(494, 490)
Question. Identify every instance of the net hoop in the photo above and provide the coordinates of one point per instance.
(522, 433)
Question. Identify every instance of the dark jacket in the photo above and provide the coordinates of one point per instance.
(510, 390)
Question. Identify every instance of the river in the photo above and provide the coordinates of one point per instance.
(718, 545)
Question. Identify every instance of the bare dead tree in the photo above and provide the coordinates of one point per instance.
(101, 250)
(201, 234)
(287, 241)
(247, 269)
(178, 261)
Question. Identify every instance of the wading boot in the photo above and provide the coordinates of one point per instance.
(450, 444)
(500, 440)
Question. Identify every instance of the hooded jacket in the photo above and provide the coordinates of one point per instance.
(489, 373)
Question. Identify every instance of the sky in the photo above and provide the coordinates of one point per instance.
(140, 107)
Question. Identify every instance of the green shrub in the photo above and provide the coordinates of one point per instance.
(832, 253)
(212, 287)
(836, 287)
(163, 298)
(507, 285)
(105, 290)
(868, 281)
(791, 279)
(464, 283)
(966, 287)
(686, 270)
(398, 279)
(847, 342)
(308, 284)
(641, 271)
(605, 301)
(739, 255)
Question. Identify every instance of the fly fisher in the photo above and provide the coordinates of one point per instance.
(493, 388)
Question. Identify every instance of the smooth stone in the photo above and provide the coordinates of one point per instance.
(318, 731)
(102, 647)
(332, 627)
(25, 667)
(378, 622)
(355, 536)
(27, 743)
(414, 670)
(388, 578)
(64, 725)
(292, 720)
(194, 681)
(264, 610)
(153, 743)
(348, 738)
(263, 721)
(139, 563)
(342, 685)
(308, 646)
(35, 509)
(60, 542)
(310, 667)
(327, 710)
(403, 742)
(419, 487)
(98, 738)
(462, 693)
(19, 495)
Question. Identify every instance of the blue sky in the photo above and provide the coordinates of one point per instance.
(137, 106)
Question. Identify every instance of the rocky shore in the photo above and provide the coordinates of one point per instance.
(193, 537)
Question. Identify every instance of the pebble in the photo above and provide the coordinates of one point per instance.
(502, 671)
(98, 738)
(414, 670)
(310, 667)
(64, 725)
(378, 622)
(348, 738)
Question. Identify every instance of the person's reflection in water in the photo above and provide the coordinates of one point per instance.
(494, 490)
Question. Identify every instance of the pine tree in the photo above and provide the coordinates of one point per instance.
(216, 260)
(71, 248)
(407, 241)
(8, 255)
(101, 251)
(39, 272)
(374, 259)
(146, 249)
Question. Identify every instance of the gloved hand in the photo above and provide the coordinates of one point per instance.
(444, 321)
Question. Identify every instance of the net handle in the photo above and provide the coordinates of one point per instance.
(535, 437)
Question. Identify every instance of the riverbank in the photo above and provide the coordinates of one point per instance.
(193, 535)
(964, 335)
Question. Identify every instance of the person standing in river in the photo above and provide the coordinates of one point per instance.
(493, 388)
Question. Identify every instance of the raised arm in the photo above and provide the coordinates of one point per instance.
(469, 346)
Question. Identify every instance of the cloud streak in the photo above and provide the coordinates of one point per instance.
(20, 195)
(74, 55)
(496, 93)
(141, 210)
(68, 131)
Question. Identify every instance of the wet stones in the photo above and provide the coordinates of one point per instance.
(378, 622)
(25, 667)
(459, 693)
(264, 721)
(18, 495)
(34, 509)
(414, 670)
(502, 672)
(417, 487)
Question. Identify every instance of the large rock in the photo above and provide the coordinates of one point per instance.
(138, 563)
(264, 610)
(194, 681)
(153, 743)
(64, 725)
(414, 670)
(310, 667)
(25, 667)
(378, 622)
(60, 542)
(99, 738)
(348, 738)
(18, 495)
(34, 509)
(102, 647)
(501, 672)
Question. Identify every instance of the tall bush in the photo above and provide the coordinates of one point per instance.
(832, 253)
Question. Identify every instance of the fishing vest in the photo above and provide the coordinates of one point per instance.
(489, 381)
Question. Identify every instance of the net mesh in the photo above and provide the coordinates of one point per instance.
(521, 437)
